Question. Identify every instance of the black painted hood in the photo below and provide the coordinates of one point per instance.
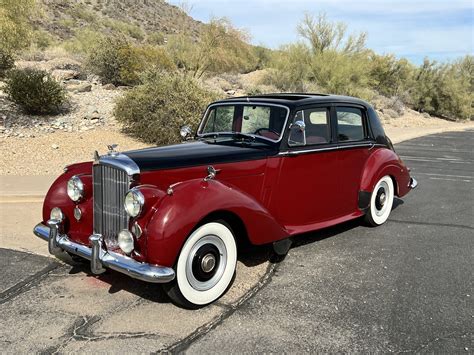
(193, 154)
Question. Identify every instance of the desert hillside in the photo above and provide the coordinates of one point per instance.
(63, 18)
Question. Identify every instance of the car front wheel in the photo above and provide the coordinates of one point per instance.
(381, 202)
(205, 267)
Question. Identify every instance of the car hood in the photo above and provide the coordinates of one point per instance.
(193, 154)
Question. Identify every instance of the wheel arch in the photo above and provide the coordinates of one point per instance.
(195, 202)
(236, 224)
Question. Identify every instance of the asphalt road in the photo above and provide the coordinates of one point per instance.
(406, 286)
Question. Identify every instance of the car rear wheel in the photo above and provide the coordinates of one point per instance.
(205, 267)
(381, 202)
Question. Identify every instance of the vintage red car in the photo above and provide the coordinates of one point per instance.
(260, 169)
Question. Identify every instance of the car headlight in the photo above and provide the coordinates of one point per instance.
(125, 241)
(134, 202)
(56, 214)
(75, 188)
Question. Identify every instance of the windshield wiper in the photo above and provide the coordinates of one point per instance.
(243, 136)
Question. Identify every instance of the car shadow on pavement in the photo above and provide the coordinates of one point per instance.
(118, 282)
(311, 237)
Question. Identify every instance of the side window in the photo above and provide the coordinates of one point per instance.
(350, 126)
(317, 126)
(297, 136)
(310, 127)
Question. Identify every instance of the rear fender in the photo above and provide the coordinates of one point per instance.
(183, 208)
(385, 162)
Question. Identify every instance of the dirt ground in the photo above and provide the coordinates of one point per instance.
(49, 154)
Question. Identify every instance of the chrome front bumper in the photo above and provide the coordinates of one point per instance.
(100, 258)
(413, 183)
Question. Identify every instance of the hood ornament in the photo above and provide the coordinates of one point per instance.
(96, 156)
(112, 152)
(212, 172)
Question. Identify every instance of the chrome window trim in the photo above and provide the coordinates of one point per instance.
(120, 161)
(248, 103)
(335, 147)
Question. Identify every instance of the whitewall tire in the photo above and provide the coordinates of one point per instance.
(205, 267)
(381, 201)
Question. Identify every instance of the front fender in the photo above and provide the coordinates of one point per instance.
(190, 202)
(385, 162)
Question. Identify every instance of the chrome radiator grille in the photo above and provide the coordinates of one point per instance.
(110, 186)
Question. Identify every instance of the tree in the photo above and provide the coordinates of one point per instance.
(324, 35)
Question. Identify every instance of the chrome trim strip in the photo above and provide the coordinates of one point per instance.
(101, 258)
(120, 161)
(339, 147)
(247, 103)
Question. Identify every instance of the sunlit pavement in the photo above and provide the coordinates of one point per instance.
(405, 286)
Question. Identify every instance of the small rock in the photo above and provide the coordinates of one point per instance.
(426, 115)
(85, 87)
(63, 75)
(230, 92)
(55, 146)
(109, 86)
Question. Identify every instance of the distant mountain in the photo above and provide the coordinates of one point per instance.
(134, 18)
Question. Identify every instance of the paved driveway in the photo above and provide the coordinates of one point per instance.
(404, 287)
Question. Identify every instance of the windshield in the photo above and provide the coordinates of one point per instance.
(266, 121)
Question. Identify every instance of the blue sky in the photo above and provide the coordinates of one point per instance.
(441, 30)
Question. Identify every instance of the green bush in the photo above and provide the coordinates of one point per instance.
(35, 91)
(7, 62)
(119, 62)
(155, 110)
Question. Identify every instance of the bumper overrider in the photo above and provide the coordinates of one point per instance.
(413, 183)
(99, 257)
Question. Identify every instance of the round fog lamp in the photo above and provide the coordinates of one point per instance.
(56, 214)
(125, 241)
(77, 213)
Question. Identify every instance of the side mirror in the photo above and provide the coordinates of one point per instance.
(298, 125)
(185, 132)
(297, 134)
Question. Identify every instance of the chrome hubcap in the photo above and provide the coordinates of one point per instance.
(208, 262)
(382, 198)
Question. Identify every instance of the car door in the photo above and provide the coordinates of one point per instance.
(355, 145)
(308, 179)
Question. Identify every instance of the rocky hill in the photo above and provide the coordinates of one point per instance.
(136, 18)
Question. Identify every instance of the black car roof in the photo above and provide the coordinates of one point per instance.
(296, 99)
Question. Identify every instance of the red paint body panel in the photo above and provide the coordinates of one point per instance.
(275, 197)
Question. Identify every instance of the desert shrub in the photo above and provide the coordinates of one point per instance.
(35, 91)
(15, 24)
(84, 41)
(390, 76)
(41, 39)
(155, 110)
(82, 12)
(445, 89)
(291, 66)
(124, 28)
(221, 48)
(119, 62)
(7, 62)
(156, 38)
